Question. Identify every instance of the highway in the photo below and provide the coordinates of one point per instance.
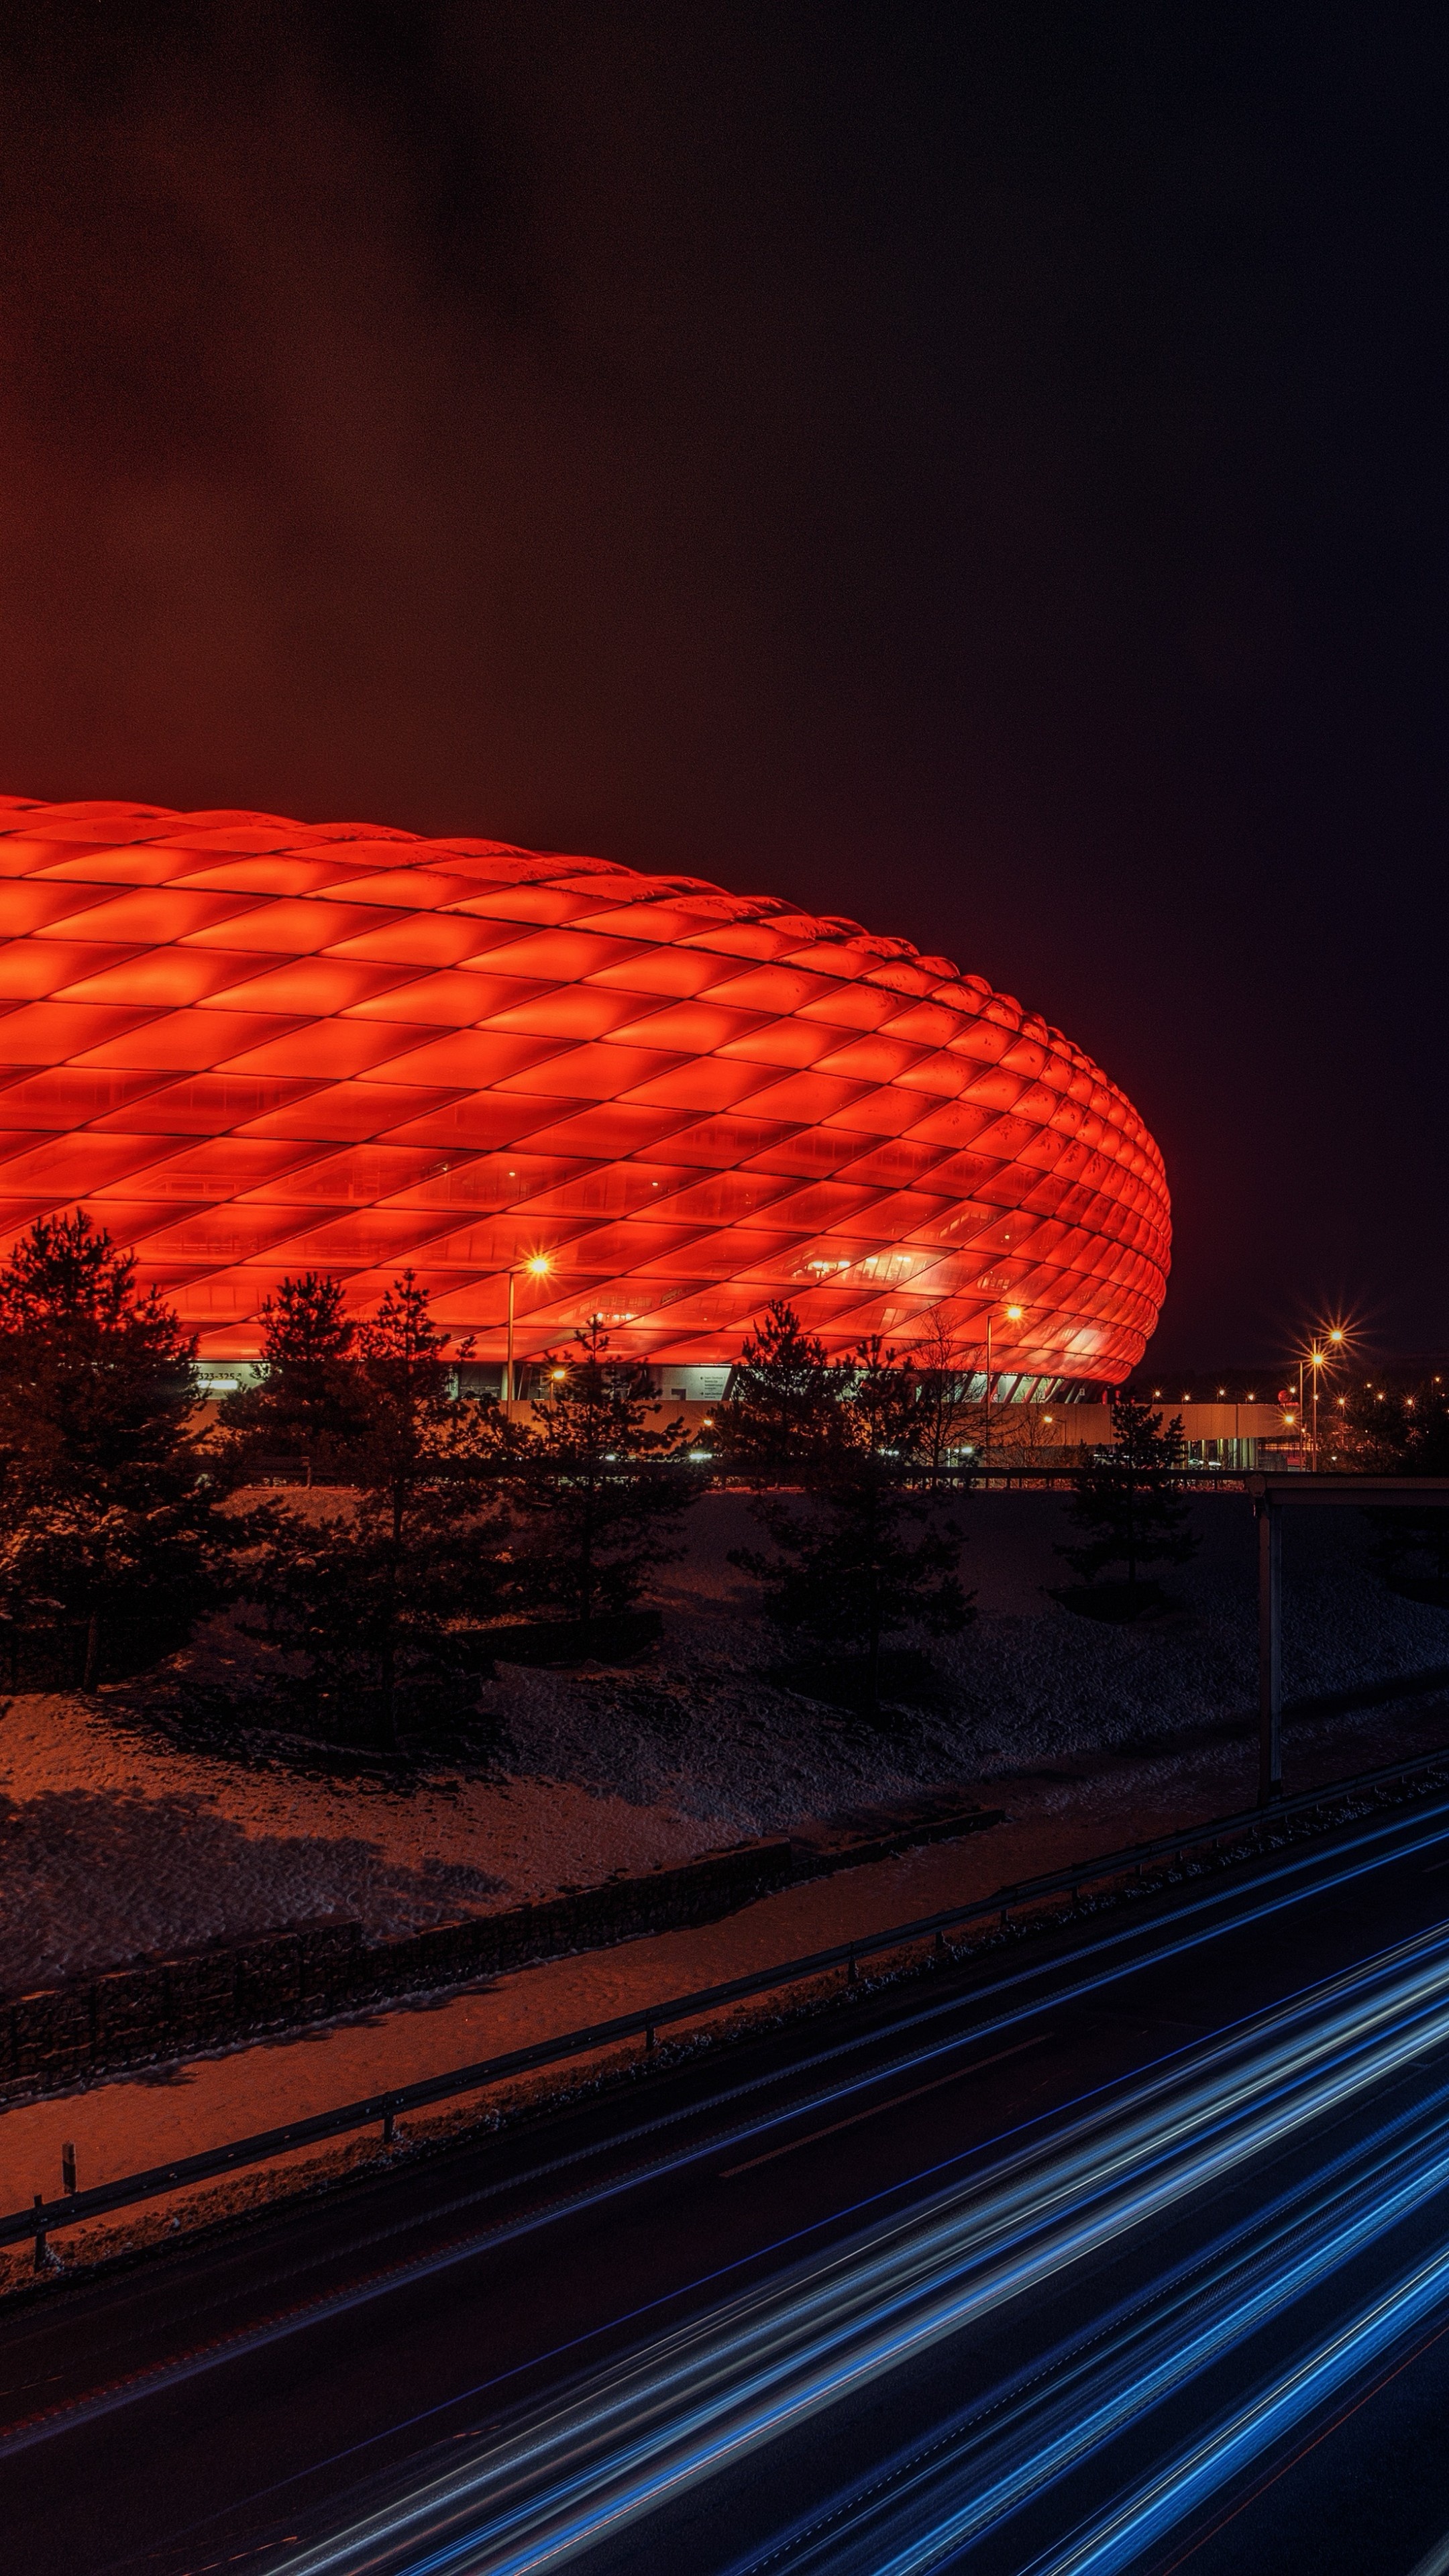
(1119, 2249)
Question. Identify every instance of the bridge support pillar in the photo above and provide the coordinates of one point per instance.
(1270, 1651)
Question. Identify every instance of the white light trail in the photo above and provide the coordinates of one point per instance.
(701, 2399)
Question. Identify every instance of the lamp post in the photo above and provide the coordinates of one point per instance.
(1319, 1351)
(1013, 1316)
(1333, 1350)
(537, 1266)
(1316, 1364)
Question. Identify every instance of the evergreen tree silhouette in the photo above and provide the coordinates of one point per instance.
(309, 1402)
(868, 1557)
(1127, 1499)
(784, 1396)
(391, 1591)
(110, 1503)
(598, 1495)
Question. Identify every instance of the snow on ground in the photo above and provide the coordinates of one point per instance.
(1027, 1683)
(117, 1845)
(113, 1850)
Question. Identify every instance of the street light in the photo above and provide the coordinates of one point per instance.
(537, 1266)
(1315, 1358)
(1327, 1345)
(1013, 1316)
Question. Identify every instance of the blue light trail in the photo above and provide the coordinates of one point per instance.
(571, 2475)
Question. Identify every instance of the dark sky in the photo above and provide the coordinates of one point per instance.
(982, 470)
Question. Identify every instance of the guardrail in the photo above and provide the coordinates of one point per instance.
(388, 2107)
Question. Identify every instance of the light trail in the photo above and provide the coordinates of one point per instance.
(1106, 1961)
(576, 2472)
(1436, 2563)
(1071, 2404)
(1199, 2471)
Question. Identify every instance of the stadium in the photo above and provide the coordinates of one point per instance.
(251, 1048)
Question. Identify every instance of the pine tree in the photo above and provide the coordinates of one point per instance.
(869, 1558)
(309, 1402)
(599, 1497)
(388, 1593)
(784, 1396)
(1128, 1498)
(415, 1438)
(1381, 1430)
(1401, 1431)
(109, 1503)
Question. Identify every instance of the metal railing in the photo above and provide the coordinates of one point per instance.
(390, 2106)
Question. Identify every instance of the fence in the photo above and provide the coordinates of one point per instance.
(388, 2107)
(280, 1980)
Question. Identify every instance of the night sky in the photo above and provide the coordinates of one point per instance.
(981, 470)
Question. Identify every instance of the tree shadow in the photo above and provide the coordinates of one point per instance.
(92, 1880)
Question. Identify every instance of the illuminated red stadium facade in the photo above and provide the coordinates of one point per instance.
(251, 1048)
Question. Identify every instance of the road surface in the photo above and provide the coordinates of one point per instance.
(1124, 2248)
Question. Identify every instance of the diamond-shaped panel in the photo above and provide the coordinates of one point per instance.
(250, 1047)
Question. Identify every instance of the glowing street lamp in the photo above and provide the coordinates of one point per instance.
(1013, 1315)
(1314, 1357)
(537, 1266)
(1326, 1346)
